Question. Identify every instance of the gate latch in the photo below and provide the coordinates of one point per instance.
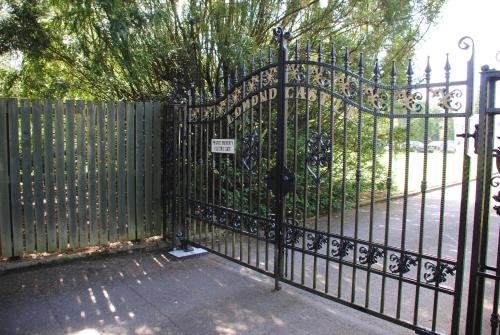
(474, 136)
(274, 178)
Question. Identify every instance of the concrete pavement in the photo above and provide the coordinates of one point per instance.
(151, 293)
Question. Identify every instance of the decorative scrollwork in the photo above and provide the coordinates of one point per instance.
(270, 76)
(466, 43)
(236, 95)
(222, 217)
(236, 222)
(316, 241)
(348, 88)
(376, 99)
(446, 98)
(318, 153)
(438, 274)
(250, 151)
(221, 107)
(252, 84)
(293, 231)
(196, 209)
(409, 100)
(207, 214)
(402, 263)
(341, 249)
(295, 72)
(252, 226)
(495, 180)
(370, 255)
(318, 77)
(269, 228)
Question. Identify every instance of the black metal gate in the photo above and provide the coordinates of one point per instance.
(484, 285)
(303, 169)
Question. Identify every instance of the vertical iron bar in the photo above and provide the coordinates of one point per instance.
(376, 76)
(282, 38)
(462, 232)
(268, 163)
(443, 195)
(344, 171)
(423, 190)
(295, 161)
(358, 174)
(259, 162)
(388, 181)
(330, 163)
(318, 180)
(304, 218)
(409, 74)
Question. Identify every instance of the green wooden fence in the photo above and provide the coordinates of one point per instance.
(77, 173)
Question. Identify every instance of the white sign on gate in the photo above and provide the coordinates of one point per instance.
(223, 145)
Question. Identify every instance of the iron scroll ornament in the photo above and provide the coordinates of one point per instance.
(438, 274)
(495, 182)
(370, 255)
(293, 232)
(318, 154)
(250, 151)
(402, 264)
(341, 249)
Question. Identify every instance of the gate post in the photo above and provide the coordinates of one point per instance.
(479, 250)
(183, 233)
(282, 38)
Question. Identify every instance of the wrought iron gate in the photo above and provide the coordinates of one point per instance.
(484, 285)
(293, 171)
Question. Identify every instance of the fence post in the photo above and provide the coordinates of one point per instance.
(484, 181)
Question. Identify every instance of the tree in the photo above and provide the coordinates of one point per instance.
(154, 49)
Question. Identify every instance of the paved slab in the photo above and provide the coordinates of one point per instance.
(153, 293)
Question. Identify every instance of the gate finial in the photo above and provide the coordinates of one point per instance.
(467, 42)
(280, 35)
(333, 54)
(428, 69)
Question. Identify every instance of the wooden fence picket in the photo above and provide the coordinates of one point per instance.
(156, 167)
(70, 171)
(27, 180)
(111, 149)
(139, 168)
(60, 182)
(41, 232)
(82, 181)
(101, 174)
(92, 174)
(15, 193)
(5, 223)
(122, 181)
(148, 165)
(78, 173)
(131, 171)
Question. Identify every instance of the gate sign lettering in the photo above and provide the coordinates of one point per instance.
(223, 145)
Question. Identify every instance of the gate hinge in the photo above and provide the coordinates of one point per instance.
(474, 136)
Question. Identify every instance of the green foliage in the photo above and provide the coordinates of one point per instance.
(155, 49)
(435, 129)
